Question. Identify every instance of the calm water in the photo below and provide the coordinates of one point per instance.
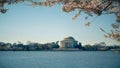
(46, 59)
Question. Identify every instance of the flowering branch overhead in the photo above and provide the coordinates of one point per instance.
(89, 7)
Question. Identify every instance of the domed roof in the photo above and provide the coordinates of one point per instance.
(69, 38)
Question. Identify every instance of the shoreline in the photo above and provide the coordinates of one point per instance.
(63, 50)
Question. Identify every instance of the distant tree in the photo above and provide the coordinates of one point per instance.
(33, 46)
(46, 47)
(9, 45)
(2, 46)
(2, 43)
(18, 46)
(90, 7)
(79, 46)
(14, 44)
(88, 47)
(55, 44)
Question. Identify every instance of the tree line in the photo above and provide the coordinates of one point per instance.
(31, 46)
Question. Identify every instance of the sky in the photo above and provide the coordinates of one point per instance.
(50, 24)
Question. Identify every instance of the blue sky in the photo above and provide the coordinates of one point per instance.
(43, 24)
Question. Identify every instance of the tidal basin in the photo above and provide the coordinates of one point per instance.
(59, 59)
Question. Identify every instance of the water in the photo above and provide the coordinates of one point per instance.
(48, 59)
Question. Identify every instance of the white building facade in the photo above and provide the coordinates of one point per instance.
(68, 42)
